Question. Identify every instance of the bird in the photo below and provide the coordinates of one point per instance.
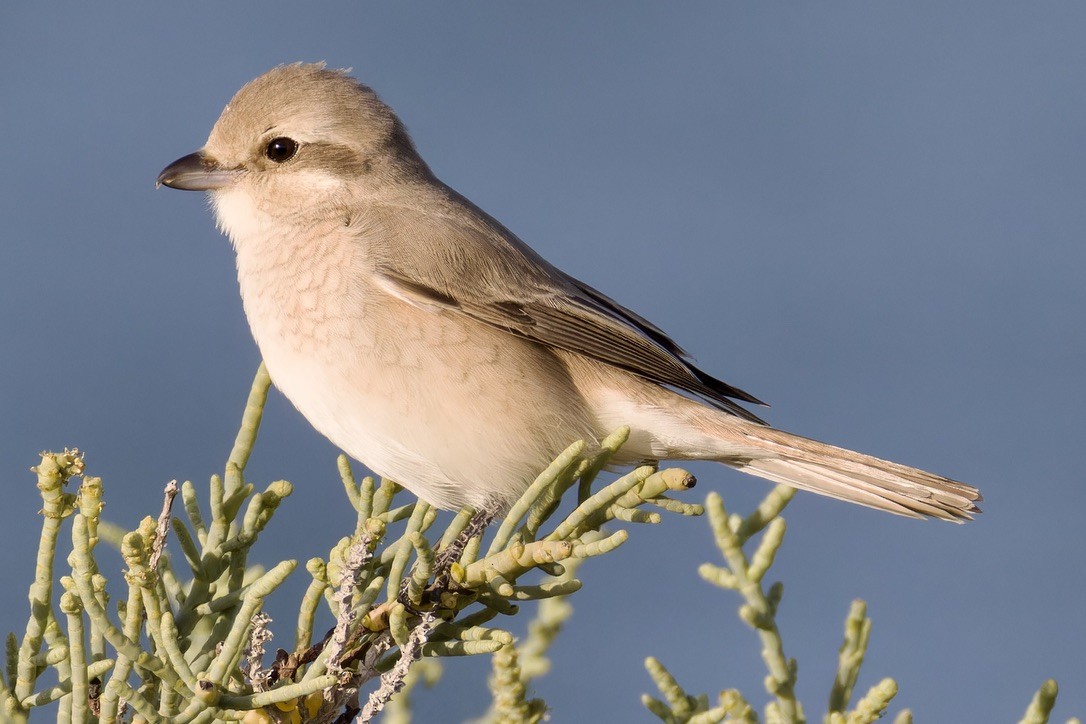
(427, 341)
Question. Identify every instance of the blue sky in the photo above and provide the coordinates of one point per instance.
(869, 214)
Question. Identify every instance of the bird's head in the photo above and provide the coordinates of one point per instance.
(294, 142)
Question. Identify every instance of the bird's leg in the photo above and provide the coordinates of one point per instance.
(451, 553)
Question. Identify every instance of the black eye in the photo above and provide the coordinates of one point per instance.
(281, 150)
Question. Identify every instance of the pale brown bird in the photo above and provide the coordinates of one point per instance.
(426, 340)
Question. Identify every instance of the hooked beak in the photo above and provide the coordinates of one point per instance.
(196, 172)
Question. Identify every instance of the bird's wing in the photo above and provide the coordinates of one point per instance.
(481, 270)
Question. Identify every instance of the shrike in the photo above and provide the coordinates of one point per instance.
(426, 340)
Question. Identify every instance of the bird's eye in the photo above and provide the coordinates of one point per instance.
(281, 150)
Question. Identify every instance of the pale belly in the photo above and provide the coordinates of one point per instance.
(457, 412)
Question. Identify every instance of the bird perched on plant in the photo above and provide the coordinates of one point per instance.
(426, 340)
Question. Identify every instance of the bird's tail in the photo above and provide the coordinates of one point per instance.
(851, 476)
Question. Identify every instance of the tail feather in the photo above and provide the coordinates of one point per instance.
(854, 477)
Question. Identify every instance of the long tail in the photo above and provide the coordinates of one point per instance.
(857, 478)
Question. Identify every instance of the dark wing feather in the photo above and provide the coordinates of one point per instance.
(612, 308)
(592, 325)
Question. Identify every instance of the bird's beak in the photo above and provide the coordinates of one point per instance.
(196, 172)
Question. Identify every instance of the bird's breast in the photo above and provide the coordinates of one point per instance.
(454, 409)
